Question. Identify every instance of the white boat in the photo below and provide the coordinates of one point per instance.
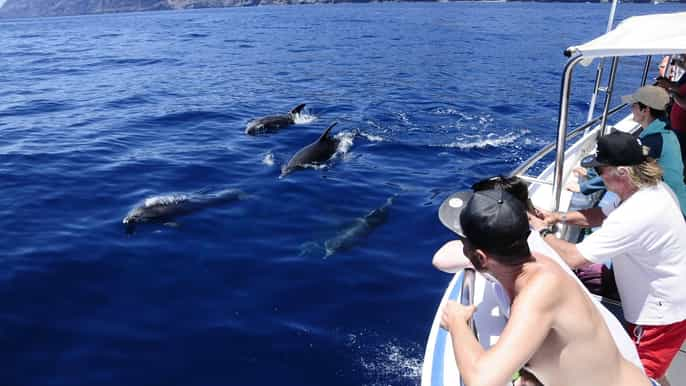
(641, 36)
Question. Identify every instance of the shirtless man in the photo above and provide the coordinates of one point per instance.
(553, 330)
(449, 258)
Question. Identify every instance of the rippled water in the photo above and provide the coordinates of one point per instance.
(98, 113)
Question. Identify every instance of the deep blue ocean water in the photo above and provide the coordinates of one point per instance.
(98, 113)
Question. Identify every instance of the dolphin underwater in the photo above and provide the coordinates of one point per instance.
(315, 153)
(164, 209)
(273, 123)
(360, 228)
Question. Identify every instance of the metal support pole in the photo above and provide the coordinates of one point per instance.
(565, 91)
(608, 94)
(646, 70)
(467, 299)
(596, 88)
(601, 65)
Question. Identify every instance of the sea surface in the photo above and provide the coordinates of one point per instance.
(295, 282)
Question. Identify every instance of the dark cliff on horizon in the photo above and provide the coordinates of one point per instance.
(34, 8)
(30, 8)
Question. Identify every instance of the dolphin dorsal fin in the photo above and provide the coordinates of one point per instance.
(297, 109)
(325, 134)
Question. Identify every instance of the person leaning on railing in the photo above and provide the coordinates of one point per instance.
(644, 237)
(494, 228)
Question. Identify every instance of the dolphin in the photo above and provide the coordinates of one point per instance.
(164, 209)
(315, 153)
(361, 227)
(272, 123)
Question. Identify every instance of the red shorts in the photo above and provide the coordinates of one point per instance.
(657, 345)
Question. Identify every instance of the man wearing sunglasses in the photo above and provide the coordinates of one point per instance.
(645, 239)
(553, 329)
(648, 106)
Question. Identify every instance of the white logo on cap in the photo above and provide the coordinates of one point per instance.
(456, 203)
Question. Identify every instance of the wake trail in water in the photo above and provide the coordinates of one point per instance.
(468, 142)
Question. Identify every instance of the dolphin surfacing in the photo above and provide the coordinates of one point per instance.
(273, 123)
(360, 228)
(166, 208)
(315, 153)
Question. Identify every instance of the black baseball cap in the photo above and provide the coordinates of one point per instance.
(491, 219)
(616, 149)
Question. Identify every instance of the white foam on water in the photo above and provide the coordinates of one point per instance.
(345, 142)
(446, 111)
(480, 141)
(268, 159)
(303, 117)
(462, 116)
(372, 137)
(391, 364)
(403, 117)
(165, 199)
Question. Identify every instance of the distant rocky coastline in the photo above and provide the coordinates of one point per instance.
(35, 8)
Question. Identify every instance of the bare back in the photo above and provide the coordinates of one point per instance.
(578, 349)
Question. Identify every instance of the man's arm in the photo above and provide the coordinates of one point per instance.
(567, 251)
(449, 258)
(536, 306)
(585, 218)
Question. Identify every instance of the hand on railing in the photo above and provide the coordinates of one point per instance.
(454, 312)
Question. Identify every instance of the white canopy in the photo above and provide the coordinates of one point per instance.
(660, 34)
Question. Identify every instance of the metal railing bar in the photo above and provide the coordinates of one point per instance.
(533, 180)
(526, 165)
(608, 94)
(467, 299)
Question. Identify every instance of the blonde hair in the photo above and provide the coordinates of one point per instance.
(647, 173)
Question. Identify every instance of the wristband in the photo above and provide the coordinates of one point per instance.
(545, 232)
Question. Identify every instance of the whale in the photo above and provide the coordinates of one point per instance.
(315, 153)
(273, 123)
(164, 209)
(360, 227)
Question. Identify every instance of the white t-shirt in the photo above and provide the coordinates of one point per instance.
(646, 239)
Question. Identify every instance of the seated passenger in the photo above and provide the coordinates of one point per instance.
(644, 237)
(553, 327)
(648, 107)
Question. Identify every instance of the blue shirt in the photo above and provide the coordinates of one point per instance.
(664, 146)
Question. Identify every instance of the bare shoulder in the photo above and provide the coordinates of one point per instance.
(542, 283)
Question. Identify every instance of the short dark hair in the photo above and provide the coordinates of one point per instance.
(659, 114)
